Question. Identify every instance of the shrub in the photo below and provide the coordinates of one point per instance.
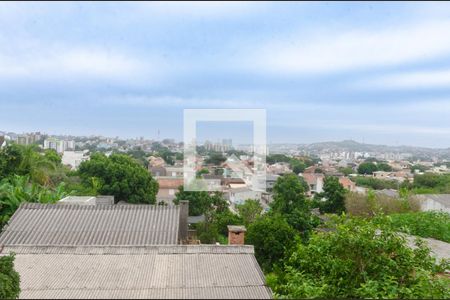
(358, 258)
(375, 183)
(424, 224)
(358, 204)
(9, 278)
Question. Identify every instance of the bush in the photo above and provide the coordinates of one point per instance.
(9, 278)
(358, 204)
(428, 224)
(375, 183)
(360, 259)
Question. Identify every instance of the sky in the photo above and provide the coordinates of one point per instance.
(324, 71)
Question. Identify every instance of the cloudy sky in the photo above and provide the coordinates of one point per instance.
(372, 72)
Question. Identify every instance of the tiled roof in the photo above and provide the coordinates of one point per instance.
(443, 199)
(73, 225)
(211, 271)
(169, 182)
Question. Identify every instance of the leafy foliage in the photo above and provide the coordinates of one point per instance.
(432, 183)
(121, 176)
(367, 168)
(26, 160)
(199, 202)
(372, 204)
(18, 189)
(430, 224)
(360, 259)
(375, 183)
(250, 210)
(271, 236)
(289, 201)
(9, 278)
(333, 195)
(215, 158)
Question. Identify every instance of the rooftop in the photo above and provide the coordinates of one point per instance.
(50, 224)
(157, 272)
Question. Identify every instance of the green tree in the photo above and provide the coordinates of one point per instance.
(249, 211)
(53, 156)
(199, 201)
(367, 168)
(121, 176)
(9, 278)
(26, 160)
(271, 236)
(215, 158)
(289, 201)
(18, 189)
(384, 167)
(288, 194)
(346, 171)
(297, 166)
(358, 258)
(333, 195)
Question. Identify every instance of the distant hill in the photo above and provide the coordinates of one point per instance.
(353, 146)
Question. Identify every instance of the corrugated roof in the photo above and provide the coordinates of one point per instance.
(443, 199)
(205, 271)
(48, 224)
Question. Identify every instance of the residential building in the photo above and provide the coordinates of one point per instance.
(168, 186)
(315, 182)
(240, 194)
(59, 145)
(73, 159)
(98, 251)
(347, 183)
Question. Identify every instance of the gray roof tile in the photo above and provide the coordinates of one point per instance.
(206, 271)
(47, 224)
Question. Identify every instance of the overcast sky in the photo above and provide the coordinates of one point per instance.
(372, 72)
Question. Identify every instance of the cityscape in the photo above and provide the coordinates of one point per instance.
(224, 150)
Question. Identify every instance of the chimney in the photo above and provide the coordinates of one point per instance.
(236, 235)
(184, 212)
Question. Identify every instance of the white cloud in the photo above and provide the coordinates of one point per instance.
(409, 80)
(333, 51)
(203, 9)
(57, 61)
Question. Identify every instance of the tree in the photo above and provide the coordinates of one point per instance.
(9, 278)
(360, 258)
(26, 160)
(121, 176)
(334, 195)
(384, 167)
(297, 166)
(346, 170)
(215, 158)
(271, 236)
(249, 211)
(288, 194)
(201, 172)
(53, 156)
(289, 201)
(199, 201)
(18, 189)
(367, 168)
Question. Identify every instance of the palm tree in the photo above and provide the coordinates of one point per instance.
(19, 189)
